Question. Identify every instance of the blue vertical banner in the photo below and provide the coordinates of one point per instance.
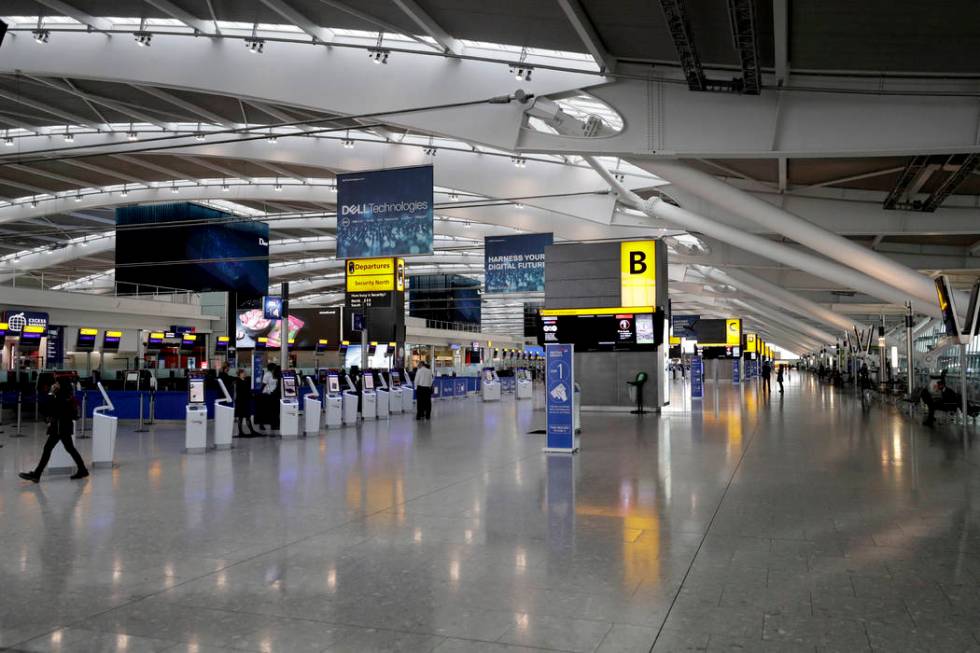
(697, 377)
(256, 370)
(736, 370)
(560, 374)
(55, 354)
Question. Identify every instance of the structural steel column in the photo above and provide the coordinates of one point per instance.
(781, 221)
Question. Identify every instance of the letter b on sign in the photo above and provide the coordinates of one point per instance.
(638, 273)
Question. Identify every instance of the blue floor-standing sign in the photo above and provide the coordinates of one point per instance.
(697, 377)
(736, 369)
(560, 374)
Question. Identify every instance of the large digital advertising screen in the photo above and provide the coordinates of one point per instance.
(604, 331)
(306, 326)
(515, 264)
(384, 213)
(191, 247)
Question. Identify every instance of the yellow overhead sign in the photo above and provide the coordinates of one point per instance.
(638, 273)
(553, 312)
(675, 340)
(375, 274)
(733, 332)
(85, 331)
(750, 342)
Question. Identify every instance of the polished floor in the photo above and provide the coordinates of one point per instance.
(793, 523)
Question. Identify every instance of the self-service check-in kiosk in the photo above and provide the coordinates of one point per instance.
(369, 398)
(289, 406)
(312, 408)
(382, 392)
(224, 418)
(524, 384)
(350, 401)
(104, 428)
(396, 404)
(408, 392)
(334, 416)
(195, 416)
(490, 385)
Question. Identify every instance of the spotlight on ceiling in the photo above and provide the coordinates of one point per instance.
(41, 35)
(271, 138)
(8, 141)
(133, 136)
(349, 144)
(143, 38)
(69, 137)
(378, 55)
(254, 45)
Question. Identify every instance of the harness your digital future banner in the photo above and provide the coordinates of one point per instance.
(384, 213)
(515, 263)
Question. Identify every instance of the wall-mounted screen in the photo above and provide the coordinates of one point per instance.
(111, 340)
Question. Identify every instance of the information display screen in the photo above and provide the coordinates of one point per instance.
(195, 391)
(111, 340)
(188, 341)
(321, 345)
(612, 332)
(367, 381)
(711, 333)
(30, 337)
(154, 342)
(86, 339)
(221, 345)
(333, 384)
(289, 384)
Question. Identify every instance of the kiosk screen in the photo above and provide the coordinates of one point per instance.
(289, 385)
(367, 381)
(333, 384)
(195, 391)
(396, 379)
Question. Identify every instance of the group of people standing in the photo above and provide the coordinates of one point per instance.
(253, 409)
(767, 376)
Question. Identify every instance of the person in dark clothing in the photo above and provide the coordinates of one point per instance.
(779, 378)
(423, 391)
(942, 398)
(243, 405)
(766, 374)
(61, 426)
(274, 398)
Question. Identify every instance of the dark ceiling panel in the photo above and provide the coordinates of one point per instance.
(758, 169)
(951, 240)
(632, 29)
(807, 172)
(513, 22)
(885, 35)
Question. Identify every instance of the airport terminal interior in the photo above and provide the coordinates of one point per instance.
(592, 326)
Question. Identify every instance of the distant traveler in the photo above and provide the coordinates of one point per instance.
(266, 413)
(766, 373)
(61, 426)
(779, 378)
(940, 397)
(243, 405)
(423, 391)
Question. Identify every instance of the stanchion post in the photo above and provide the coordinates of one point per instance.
(141, 428)
(81, 425)
(19, 397)
(153, 406)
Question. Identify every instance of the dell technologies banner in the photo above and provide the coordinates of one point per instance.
(515, 263)
(384, 213)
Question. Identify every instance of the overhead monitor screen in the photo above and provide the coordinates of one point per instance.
(222, 344)
(86, 339)
(154, 342)
(190, 247)
(595, 332)
(321, 345)
(188, 341)
(30, 337)
(711, 333)
(111, 340)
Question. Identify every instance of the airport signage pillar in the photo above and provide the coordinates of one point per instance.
(560, 398)
(697, 377)
(736, 369)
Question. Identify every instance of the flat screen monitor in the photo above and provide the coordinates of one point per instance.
(221, 346)
(396, 379)
(321, 345)
(261, 343)
(367, 381)
(289, 385)
(154, 342)
(86, 339)
(30, 337)
(333, 384)
(188, 341)
(602, 331)
(111, 340)
(195, 390)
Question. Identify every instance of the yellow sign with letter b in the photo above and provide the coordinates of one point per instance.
(638, 273)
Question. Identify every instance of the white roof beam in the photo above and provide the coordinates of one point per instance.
(428, 24)
(226, 172)
(40, 106)
(198, 111)
(90, 99)
(319, 34)
(209, 28)
(587, 33)
(374, 20)
(50, 175)
(280, 171)
(65, 9)
(91, 167)
(136, 161)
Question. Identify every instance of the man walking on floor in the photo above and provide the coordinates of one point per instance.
(423, 391)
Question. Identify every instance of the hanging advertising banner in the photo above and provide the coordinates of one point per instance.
(515, 263)
(682, 326)
(560, 375)
(384, 213)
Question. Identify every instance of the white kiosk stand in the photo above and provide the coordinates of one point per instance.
(383, 394)
(224, 418)
(369, 399)
(395, 391)
(195, 417)
(490, 385)
(408, 395)
(289, 407)
(350, 402)
(524, 385)
(312, 407)
(103, 432)
(334, 416)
